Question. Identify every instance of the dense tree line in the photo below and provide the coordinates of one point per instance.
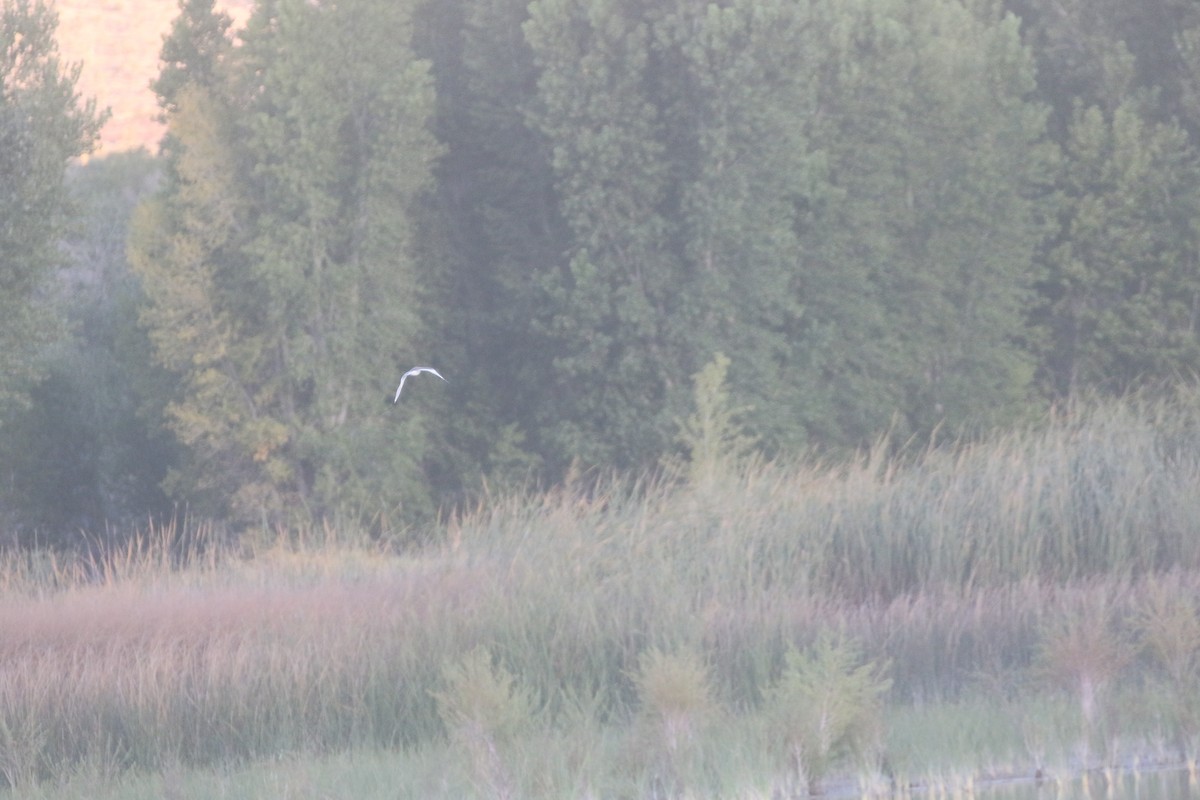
(904, 214)
(43, 124)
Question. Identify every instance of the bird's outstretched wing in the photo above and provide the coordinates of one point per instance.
(414, 371)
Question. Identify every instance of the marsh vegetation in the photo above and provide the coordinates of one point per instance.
(941, 615)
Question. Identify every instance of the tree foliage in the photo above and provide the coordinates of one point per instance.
(278, 262)
(852, 200)
(716, 447)
(826, 707)
(1123, 285)
(919, 264)
(88, 453)
(806, 187)
(43, 125)
(913, 215)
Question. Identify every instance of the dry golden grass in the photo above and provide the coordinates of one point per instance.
(238, 658)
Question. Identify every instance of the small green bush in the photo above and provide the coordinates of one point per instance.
(1168, 622)
(676, 707)
(825, 708)
(486, 713)
(1083, 650)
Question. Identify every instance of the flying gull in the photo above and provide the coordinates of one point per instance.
(414, 371)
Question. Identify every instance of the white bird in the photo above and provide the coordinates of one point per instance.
(414, 371)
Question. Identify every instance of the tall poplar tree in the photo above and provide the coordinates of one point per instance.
(279, 265)
(744, 89)
(844, 197)
(43, 124)
(342, 150)
(1122, 291)
(920, 264)
(1118, 302)
(612, 308)
(494, 228)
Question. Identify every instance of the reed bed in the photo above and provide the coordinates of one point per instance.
(1060, 561)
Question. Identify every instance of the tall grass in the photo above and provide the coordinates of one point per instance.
(952, 565)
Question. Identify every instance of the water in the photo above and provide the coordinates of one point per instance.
(1166, 784)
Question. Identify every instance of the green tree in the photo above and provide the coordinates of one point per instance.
(612, 310)
(1186, 40)
(89, 453)
(43, 124)
(712, 434)
(493, 227)
(683, 173)
(919, 262)
(1077, 45)
(1123, 283)
(1072, 41)
(279, 263)
(825, 707)
(1118, 296)
(342, 151)
(194, 52)
(185, 248)
(738, 112)
(845, 197)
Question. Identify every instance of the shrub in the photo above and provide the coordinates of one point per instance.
(713, 435)
(825, 707)
(676, 707)
(1082, 650)
(486, 712)
(1169, 627)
